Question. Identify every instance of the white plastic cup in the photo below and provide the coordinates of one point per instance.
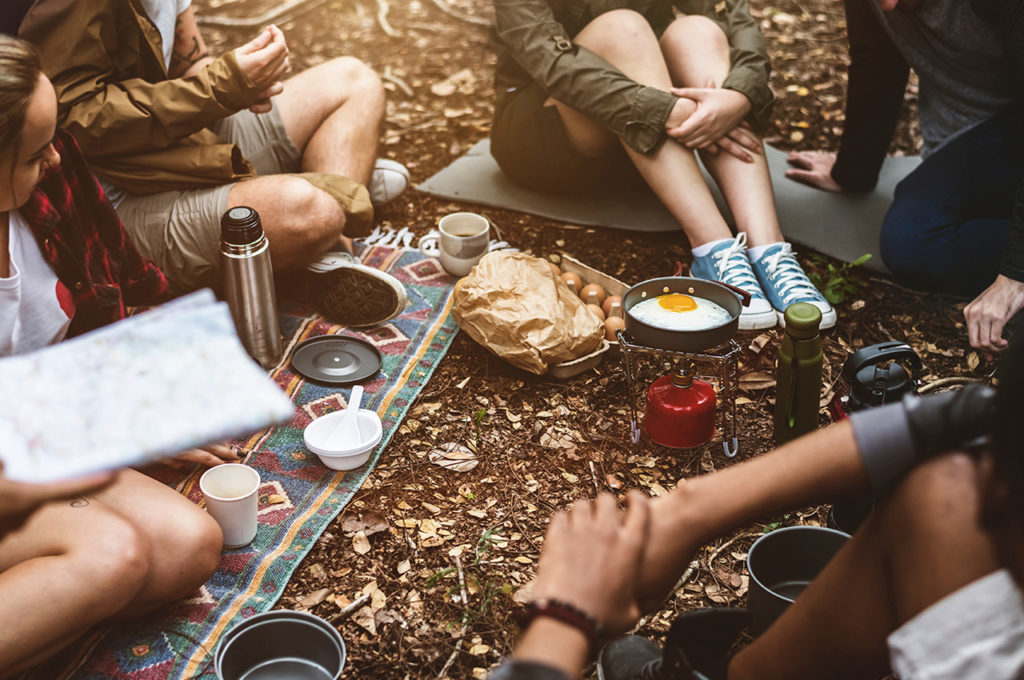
(464, 238)
(231, 492)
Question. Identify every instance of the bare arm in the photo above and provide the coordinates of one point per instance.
(190, 53)
(812, 469)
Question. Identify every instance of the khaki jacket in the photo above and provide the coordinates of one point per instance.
(533, 42)
(144, 132)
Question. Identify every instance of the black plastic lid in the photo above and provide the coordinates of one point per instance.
(241, 226)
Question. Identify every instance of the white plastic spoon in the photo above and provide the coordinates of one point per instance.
(345, 434)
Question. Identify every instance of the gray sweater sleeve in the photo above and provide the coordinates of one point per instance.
(526, 670)
(885, 443)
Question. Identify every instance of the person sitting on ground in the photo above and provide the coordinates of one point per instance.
(928, 587)
(67, 267)
(590, 92)
(956, 224)
(178, 137)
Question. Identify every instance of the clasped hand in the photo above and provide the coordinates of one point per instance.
(712, 119)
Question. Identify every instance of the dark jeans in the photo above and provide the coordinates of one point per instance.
(946, 229)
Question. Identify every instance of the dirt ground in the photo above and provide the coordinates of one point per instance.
(444, 555)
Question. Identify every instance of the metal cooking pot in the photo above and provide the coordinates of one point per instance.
(731, 298)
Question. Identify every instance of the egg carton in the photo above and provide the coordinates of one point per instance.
(612, 286)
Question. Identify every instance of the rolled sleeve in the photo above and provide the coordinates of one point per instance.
(885, 443)
(526, 670)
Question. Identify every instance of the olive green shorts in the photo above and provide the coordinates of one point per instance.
(530, 144)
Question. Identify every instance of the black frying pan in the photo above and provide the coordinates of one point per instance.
(732, 299)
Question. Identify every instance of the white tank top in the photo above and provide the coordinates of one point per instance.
(35, 307)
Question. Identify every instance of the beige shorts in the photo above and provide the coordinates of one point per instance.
(180, 230)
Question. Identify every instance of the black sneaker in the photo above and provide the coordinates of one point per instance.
(697, 648)
(346, 292)
(627, 658)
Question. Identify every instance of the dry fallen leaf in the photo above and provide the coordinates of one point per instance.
(479, 650)
(757, 380)
(360, 543)
(364, 618)
(613, 481)
(314, 598)
(972, 361)
(403, 567)
(369, 523)
(454, 456)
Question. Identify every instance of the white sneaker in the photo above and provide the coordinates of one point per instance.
(388, 181)
(349, 293)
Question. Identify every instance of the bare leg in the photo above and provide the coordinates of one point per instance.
(73, 565)
(696, 51)
(922, 545)
(624, 38)
(332, 113)
(300, 221)
(184, 543)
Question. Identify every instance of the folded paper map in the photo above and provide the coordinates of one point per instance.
(143, 388)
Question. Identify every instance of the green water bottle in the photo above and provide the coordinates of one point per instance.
(799, 373)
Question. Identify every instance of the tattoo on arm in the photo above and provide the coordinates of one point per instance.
(187, 55)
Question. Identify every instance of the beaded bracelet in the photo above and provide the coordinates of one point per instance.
(568, 614)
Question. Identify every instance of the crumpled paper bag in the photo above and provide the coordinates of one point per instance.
(515, 306)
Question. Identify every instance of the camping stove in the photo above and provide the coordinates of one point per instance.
(718, 366)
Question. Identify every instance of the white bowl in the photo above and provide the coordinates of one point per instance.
(354, 453)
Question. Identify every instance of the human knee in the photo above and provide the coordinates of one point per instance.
(905, 248)
(700, 31)
(193, 546)
(358, 77)
(942, 492)
(310, 218)
(618, 32)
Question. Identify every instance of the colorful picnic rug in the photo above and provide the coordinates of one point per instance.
(298, 497)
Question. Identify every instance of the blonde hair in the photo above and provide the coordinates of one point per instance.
(19, 75)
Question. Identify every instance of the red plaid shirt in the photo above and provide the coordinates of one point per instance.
(84, 241)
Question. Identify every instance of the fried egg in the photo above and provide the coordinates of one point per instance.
(678, 312)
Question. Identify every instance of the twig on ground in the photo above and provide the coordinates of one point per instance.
(444, 7)
(348, 611)
(465, 620)
(268, 17)
(382, 18)
(593, 476)
(946, 382)
(719, 549)
(398, 82)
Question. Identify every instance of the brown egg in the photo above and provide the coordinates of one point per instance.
(612, 324)
(607, 304)
(576, 284)
(591, 297)
(596, 311)
(554, 268)
(615, 309)
(593, 288)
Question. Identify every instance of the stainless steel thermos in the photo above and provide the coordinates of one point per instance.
(249, 284)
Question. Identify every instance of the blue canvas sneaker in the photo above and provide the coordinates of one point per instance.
(784, 282)
(727, 262)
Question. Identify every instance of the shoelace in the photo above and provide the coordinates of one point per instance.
(788, 276)
(733, 267)
(330, 261)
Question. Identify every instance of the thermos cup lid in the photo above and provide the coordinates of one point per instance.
(802, 320)
(241, 226)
